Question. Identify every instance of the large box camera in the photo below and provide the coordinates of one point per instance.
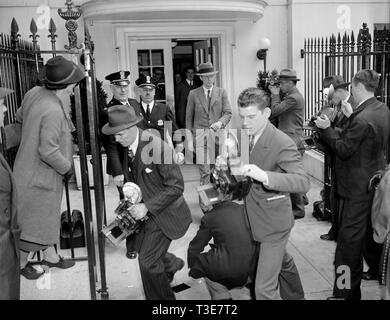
(125, 224)
(223, 184)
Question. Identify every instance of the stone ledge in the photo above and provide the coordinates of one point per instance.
(313, 162)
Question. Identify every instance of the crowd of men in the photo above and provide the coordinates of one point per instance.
(249, 236)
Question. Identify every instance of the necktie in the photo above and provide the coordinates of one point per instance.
(191, 84)
(251, 143)
(209, 98)
(147, 111)
(130, 153)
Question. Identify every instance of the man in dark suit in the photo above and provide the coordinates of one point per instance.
(289, 114)
(162, 188)
(339, 95)
(181, 96)
(275, 166)
(208, 110)
(232, 258)
(359, 150)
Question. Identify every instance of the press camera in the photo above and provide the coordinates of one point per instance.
(125, 224)
(223, 184)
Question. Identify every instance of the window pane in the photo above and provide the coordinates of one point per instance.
(158, 75)
(160, 92)
(158, 57)
(144, 71)
(143, 58)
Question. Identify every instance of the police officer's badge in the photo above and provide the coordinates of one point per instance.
(160, 123)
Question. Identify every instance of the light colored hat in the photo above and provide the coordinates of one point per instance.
(206, 69)
(5, 92)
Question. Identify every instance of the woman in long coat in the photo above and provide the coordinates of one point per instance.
(43, 159)
(9, 230)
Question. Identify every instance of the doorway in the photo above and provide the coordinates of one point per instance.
(167, 59)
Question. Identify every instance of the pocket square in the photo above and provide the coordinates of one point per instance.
(148, 170)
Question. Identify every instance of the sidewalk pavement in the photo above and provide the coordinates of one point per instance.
(313, 257)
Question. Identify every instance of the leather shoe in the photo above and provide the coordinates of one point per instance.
(30, 273)
(335, 298)
(179, 264)
(62, 263)
(131, 254)
(368, 276)
(328, 237)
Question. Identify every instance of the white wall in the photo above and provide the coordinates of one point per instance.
(317, 19)
(248, 34)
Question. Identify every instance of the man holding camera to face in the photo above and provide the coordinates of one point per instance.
(289, 115)
(276, 169)
(359, 148)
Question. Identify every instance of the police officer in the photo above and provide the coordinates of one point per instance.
(120, 86)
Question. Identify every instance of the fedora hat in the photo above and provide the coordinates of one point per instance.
(206, 69)
(288, 74)
(338, 82)
(59, 71)
(4, 92)
(120, 117)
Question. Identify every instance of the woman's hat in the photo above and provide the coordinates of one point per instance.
(4, 92)
(59, 71)
(288, 74)
(120, 117)
(206, 69)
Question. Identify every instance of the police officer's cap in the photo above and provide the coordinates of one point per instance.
(119, 78)
(145, 81)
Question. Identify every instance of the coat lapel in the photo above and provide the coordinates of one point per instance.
(203, 99)
(259, 151)
(214, 95)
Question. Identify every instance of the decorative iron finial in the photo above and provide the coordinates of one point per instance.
(14, 33)
(71, 14)
(364, 38)
(34, 35)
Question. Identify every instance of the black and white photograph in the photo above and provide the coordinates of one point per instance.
(205, 151)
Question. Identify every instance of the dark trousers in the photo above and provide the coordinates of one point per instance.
(154, 262)
(372, 251)
(298, 204)
(354, 220)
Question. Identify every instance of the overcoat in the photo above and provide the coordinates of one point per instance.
(44, 156)
(9, 236)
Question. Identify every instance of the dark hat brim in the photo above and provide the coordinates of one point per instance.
(5, 92)
(289, 78)
(108, 130)
(206, 73)
(341, 85)
(76, 76)
(152, 85)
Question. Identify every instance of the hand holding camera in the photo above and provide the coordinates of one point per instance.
(346, 108)
(138, 211)
(322, 121)
(274, 89)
